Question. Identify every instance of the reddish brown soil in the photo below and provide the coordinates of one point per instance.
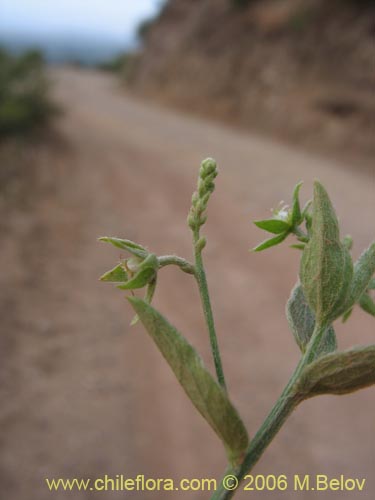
(82, 393)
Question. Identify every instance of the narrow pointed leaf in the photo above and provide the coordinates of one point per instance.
(115, 275)
(205, 393)
(127, 245)
(302, 322)
(271, 242)
(347, 315)
(339, 373)
(274, 226)
(298, 246)
(367, 304)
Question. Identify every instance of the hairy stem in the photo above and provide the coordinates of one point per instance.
(183, 264)
(207, 310)
(283, 407)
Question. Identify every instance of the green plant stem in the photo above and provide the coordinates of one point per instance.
(207, 310)
(184, 265)
(283, 407)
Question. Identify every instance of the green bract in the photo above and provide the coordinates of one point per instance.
(326, 269)
(339, 373)
(302, 323)
(204, 392)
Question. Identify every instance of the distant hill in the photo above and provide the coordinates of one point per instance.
(62, 48)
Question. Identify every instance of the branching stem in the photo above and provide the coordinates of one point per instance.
(184, 265)
(283, 407)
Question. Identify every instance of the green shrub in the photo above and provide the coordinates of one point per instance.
(241, 3)
(24, 100)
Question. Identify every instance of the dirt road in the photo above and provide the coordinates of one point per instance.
(82, 393)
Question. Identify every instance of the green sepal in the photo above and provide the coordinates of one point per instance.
(127, 245)
(271, 242)
(209, 398)
(301, 320)
(145, 273)
(308, 222)
(296, 215)
(338, 373)
(275, 226)
(115, 275)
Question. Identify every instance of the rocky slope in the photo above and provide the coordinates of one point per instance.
(299, 69)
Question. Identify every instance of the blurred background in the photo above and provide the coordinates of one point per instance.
(106, 110)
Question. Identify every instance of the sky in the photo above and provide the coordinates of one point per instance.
(111, 19)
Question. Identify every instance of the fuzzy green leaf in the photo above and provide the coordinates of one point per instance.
(367, 304)
(274, 226)
(127, 245)
(115, 275)
(371, 285)
(326, 267)
(339, 373)
(302, 322)
(205, 393)
(271, 242)
(364, 269)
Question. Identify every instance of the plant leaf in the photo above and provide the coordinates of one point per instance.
(298, 246)
(364, 269)
(127, 245)
(302, 322)
(296, 209)
(347, 315)
(274, 226)
(205, 393)
(339, 373)
(326, 267)
(271, 242)
(367, 304)
(115, 275)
